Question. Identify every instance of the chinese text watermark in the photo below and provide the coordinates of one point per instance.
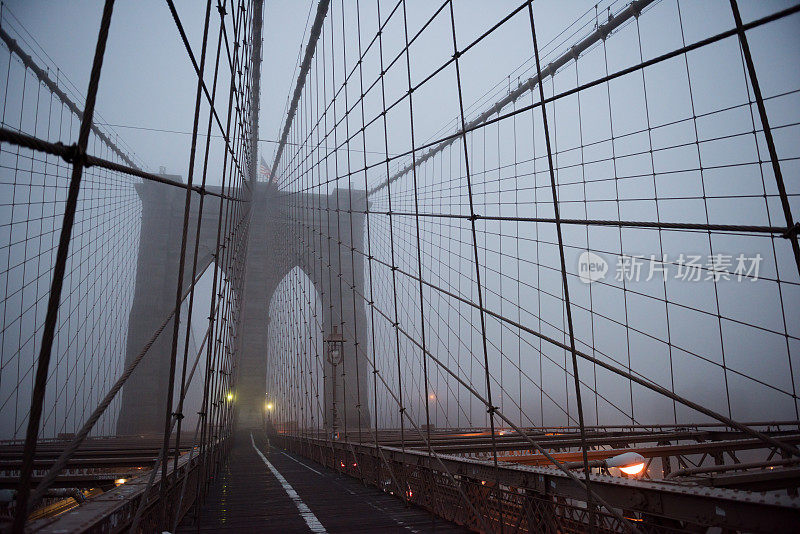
(686, 267)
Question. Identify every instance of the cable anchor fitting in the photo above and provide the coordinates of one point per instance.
(73, 154)
(791, 232)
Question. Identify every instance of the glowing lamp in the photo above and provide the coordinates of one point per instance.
(630, 463)
(632, 469)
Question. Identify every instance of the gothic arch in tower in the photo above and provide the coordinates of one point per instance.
(279, 238)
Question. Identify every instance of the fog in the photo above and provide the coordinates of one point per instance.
(675, 144)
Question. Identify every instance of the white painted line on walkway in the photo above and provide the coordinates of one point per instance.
(309, 517)
(348, 490)
(301, 463)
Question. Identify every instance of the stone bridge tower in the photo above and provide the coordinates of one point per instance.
(270, 256)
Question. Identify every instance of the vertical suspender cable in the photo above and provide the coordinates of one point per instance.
(419, 240)
(564, 281)
(473, 218)
(179, 292)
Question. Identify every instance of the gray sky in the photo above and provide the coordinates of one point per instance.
(148, 81)
(148, 84)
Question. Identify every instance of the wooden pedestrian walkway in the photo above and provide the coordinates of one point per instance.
(265, 489)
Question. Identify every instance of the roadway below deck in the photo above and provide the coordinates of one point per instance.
(264, 489)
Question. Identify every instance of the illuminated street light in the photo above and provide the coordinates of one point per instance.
(630, 463)
(269, 406)
(229, 397)
(632, 469)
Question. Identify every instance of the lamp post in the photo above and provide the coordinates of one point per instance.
(267, 409)
(335, 354)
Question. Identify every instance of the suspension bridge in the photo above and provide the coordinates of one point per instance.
(496, 276)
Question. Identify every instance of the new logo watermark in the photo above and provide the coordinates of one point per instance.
(591, 267)
(685, 267)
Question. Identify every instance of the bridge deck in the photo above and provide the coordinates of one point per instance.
(248, 496)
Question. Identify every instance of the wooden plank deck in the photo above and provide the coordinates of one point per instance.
(248, 497)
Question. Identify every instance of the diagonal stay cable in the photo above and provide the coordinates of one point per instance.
(160, 460)
(564, 281)
(168, 418)
(59, 270)
(80, 436)
(469, 387)
(499, 413)
(787, 448)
